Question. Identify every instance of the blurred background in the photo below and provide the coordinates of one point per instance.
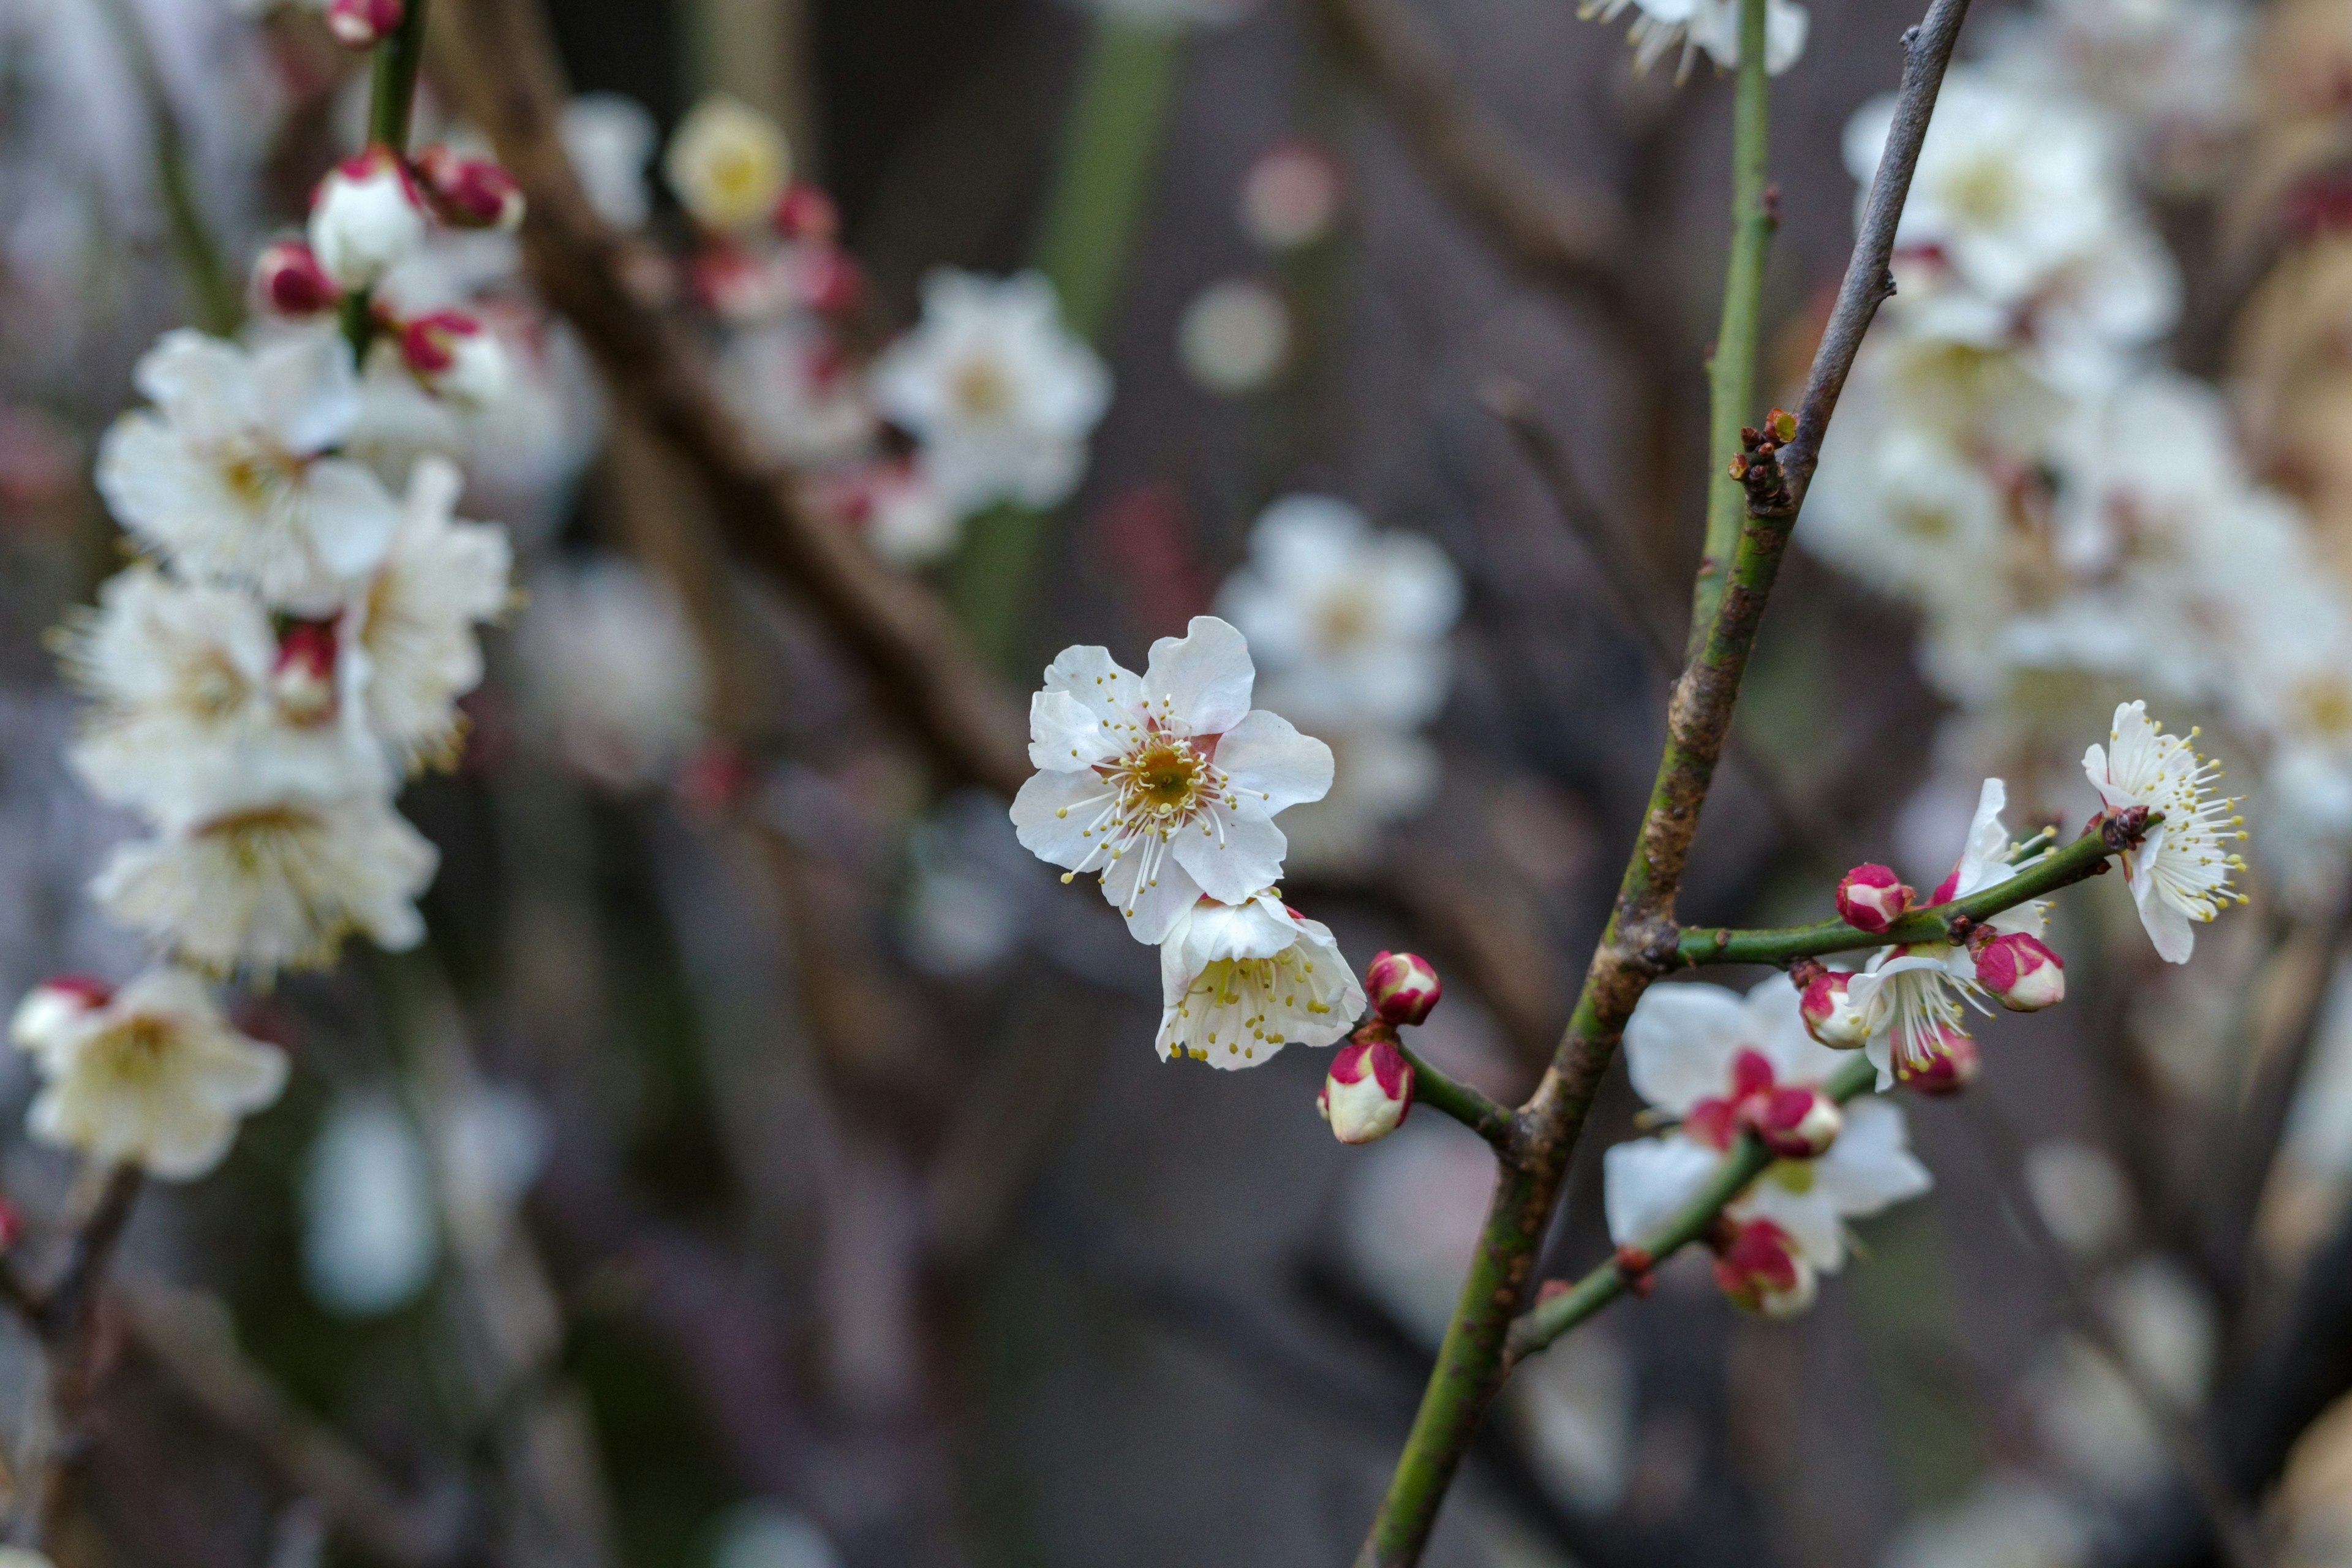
(765, 1164)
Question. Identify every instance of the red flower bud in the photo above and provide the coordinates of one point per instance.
(1871, 897)
(1401, 986)
(451, 353)
(468, 192)
(1945, 1065)
(303, 682)
(1758, 1266)
(2020, 972)
(830, 282)
(363, 24)
(1796, 1122)
(1829, 1016)
(805, 211)
(288, 281)
(1368, 1091)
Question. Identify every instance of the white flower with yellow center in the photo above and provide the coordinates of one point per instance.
(1165, 784)
(226, 475)
(408, 634)
(1000, 392)
(2179, 872)
(273, 884)
(728, 163)
(152, 1075)
(1238, 982)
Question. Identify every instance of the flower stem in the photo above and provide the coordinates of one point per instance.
(1451, 1096)
(392, 101)
(1747, 1159)
(2086, 856)
(1731, 376)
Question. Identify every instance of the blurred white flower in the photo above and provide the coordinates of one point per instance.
(369, 1237)
(1167, 785)
(1290, 196)
(1575, 1406)
(1662, 27)
(1238, 982)
(1348, 624)
(1001, 395)
(1234, 337)
(226, 477)
(1378, 776)
(794, 395)
(727, 163)
(771, 1535)
(610, 138)
(2009, 1521)
(150, 1075)
(612, 671)
(2179, 872)
(2081, 1192)
(366, 216)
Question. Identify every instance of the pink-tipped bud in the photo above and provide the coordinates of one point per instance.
(455, 358)
(1796, 1122)
(469, 193)
(1758, 1266)
(1830, 1013)
(1401, 986)
(1946, 1064)
(1368, 1091)
(829, 282)
(51, 1008)
(1871, 897)
(365, 218)
(2020, 972)
(805, 211)
(288, 281)
(364, 23)
(303, 682)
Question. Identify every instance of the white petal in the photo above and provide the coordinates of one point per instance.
(1984, 855)
(1209, 931)
(1054, 809)
(1204, 676)
(1153, 910)
(306, 393)
(1644, 1181)
(1064, 735)
(1871, 1164)
(1109, 689)
(1809, 1217)
(352, 516)
(1269, 759)
(1680, 1041)
(1776, 1026)
(2168, 925)
(1231, 865)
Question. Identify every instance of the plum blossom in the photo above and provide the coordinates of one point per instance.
(228, 476)
(609, 139)
(1238, 982)
(2179, 872)
(1662, 27)
(150, 1075)
(1716, 1061)
(366, 217)
(726, 162)
(1000, 392)
(1165, 786)
(794, 395)
(1234, 337)
(613, 676)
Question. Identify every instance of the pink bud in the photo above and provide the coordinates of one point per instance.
(829, 282)
(1401, 986)
(1368, 1091)
(805, 211)
(1758, 1266)
(363, 24)
(1945, 1064)
(469, 193)
(1796, 1122)
(2020, 972)
(1830, 1015)
(451, 353)
(1871, 897)
(288, 281)
(303, 682)
(365, 218)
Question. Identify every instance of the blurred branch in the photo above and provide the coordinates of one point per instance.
(190, 1337)
(499, 65)
(1556, 226)
(64, 1317)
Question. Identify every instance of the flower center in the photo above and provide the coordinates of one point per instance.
(132, 1052)
(1346, 620)
(255, 472)
(1983, 192)
(1165, 778)
(982, 390)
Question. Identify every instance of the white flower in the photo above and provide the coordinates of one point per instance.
(612, 673)
(1234, 337)
(610, 138)
(192, 693)
(275, 884)
(1351, 623)
(793, 394)
(365, 220)
(1664, 26)
(370, 1236)
(1167, 785)
(226, 478)
(1001, 395)
(2179, 872)
(152, 1075)
(409, 630)
(1695, 1051)
(1238, 982)
(728, 163)
(2009, 1521)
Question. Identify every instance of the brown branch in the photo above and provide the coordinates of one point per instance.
(1554, 226)
(496, 57)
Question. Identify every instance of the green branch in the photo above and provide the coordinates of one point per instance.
(392, 101)
(1747, 1159)
(2086, 856)
(1451, 1096)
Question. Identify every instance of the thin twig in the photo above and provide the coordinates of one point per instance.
(1449, 1096)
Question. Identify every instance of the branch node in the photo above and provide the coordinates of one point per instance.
(1633, 1265)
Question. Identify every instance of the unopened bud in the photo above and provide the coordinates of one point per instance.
(303, 682)
(1758, 1266)
(1796, 1122)
(1946, 1063)
(805, 211)
(288, 281)
(469, 193)
(53, 1006)
(364, 23)
(2020, 972)
(365, 218)
(1871, 897)
(1368, 1091)
(1830, 1013)
(1401, 986)
(455, 357)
